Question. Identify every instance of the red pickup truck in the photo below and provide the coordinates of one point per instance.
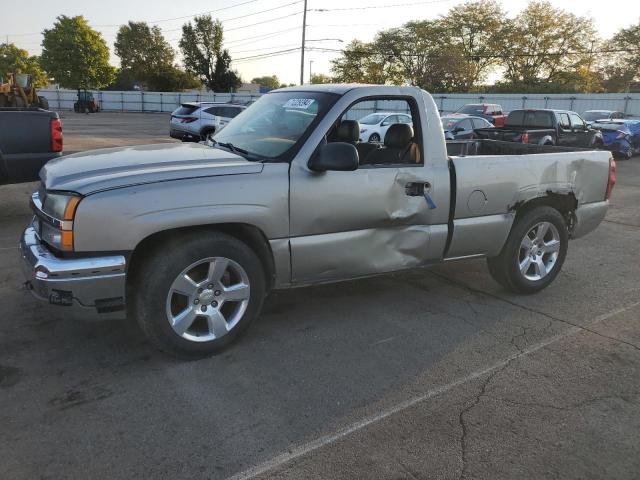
(489, 111)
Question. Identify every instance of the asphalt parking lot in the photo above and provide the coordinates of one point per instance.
(434, 374)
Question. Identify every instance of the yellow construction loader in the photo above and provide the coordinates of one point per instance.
(18, 91)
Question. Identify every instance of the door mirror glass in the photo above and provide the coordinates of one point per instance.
(336, 156)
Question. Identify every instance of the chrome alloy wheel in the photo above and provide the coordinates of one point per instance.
(208, 299)
(539, 251)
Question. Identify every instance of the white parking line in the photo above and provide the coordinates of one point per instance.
(325, 440)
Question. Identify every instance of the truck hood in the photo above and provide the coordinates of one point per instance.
(110, 168)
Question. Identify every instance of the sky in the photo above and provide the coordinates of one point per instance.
(258, 27)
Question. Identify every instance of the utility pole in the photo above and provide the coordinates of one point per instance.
(304, 31)
(310, 74)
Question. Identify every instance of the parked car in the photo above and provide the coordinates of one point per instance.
(196, 121)
(189, 238)
(545, 127)
(374, 126)
(29, 138)
(491, 112)
(459, 127)
(591, 116)
(622, 137)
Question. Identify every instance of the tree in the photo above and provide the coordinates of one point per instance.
(317, 78)
(271, 82)
(201, 46)
(365, 63)
(142, 49)
(474, 29)
(17, 60)
(543, 43)
(622, 64)
(75, 55)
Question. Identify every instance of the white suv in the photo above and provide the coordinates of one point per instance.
(196, 121)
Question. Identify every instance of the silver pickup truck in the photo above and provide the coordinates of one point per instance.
(187, 239)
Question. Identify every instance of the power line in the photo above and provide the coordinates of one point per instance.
(371, 7)
(245, 40)
(247, 15)
(270, 54)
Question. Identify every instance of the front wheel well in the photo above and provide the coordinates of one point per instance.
(251, 235)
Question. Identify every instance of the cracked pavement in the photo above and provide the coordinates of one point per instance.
(429, 374)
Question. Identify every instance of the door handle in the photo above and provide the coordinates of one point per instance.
(420, 189)
(416, 189)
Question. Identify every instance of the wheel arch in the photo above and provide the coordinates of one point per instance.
(249, 234)
(566, 203)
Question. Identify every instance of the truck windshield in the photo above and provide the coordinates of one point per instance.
(472, 109)
(592, 116)
(273, 125)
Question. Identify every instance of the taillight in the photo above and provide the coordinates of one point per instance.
(612, 178)
(56, 135)
(189, 119)
(525, 137)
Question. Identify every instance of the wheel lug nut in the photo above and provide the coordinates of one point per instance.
(199, 290)
(210, 286)
(214, 304)
(203, 308)
(217, 293)
(196, 301)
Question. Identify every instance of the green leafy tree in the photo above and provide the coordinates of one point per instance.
(75, 55)
(142, 49)
(543, 43)
(473, 31)
(318, 78)
(366, 63)
(271, 82)
(203, 56)
(622, 65)
(17, 60)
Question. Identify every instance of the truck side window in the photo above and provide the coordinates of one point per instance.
(576, 122)
(564, 122)
(382, 130)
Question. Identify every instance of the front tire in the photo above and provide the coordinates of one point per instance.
(193, 295)
(374, 138)
(533, 253)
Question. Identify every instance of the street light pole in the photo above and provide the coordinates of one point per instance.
(304, 31)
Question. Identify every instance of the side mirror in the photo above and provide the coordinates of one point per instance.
(338, 156)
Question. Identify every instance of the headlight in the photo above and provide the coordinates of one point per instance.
(61, 206)
(56, 219)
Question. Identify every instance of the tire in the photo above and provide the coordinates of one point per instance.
(374, 137)
(206, 133)
(505, 268)
(200, 322)
(43, 103)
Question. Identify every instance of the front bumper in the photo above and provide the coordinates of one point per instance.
(91, 287)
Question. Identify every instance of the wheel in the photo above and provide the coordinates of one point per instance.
(533, 253)
(374, 137)
(207, 135)
(627, 154)
(44, 103)
(194, 295)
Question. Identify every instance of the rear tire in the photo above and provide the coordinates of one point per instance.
(374, 138)
(197, 317)
(533, 253)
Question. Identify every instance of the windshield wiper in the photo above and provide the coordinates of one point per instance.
(233, 148)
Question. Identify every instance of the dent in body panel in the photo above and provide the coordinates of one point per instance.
(510, 180)
(359, 253)
(117, 220)
(281, 262)
(588, 217)
(484, 235)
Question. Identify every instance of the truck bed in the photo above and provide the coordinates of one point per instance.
(468, 148)
(25, 143)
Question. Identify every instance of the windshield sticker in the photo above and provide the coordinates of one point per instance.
(302, 103)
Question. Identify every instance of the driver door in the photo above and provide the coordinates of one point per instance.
(346, 224)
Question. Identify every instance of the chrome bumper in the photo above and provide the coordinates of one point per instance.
(87, 287)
